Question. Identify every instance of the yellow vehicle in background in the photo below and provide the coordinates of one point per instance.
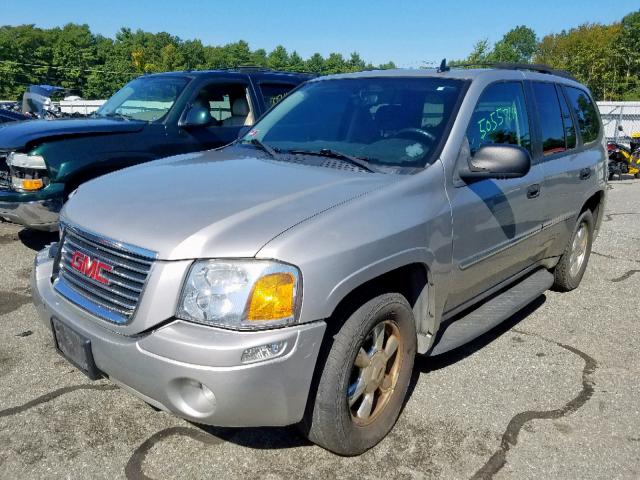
(624, 160)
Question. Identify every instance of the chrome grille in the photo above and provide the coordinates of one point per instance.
(106, 278)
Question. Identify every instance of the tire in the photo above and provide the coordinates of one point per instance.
(331, 422)
(637, 175)
(567, 274)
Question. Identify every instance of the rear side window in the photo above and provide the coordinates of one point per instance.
(273, 93)
(585, 114)
(550, 118)
(567, 121)
(500, 117)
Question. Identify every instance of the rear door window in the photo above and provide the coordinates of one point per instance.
(585, 114)
(567, 121)
(273, 93)
(500, 117)
(550, 118)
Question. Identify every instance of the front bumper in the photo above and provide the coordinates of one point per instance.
(31, 210)
(169, 366)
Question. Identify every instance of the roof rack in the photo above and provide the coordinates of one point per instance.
(251, 67)
(532, 67)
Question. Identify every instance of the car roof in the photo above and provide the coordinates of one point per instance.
(491, 74)
(249, 71)
(12, 115)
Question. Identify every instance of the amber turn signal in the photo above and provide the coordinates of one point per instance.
(272, 298)
(28, 183)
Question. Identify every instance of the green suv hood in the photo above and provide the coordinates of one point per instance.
(18, 135)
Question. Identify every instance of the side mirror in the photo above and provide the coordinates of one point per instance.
(620, 129)
(244, 130)
(196, 116)
(497, 161)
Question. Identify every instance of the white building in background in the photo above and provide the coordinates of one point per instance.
(626, 114)
(77, 105)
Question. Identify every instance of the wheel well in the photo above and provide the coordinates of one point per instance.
(594, 203)
(408, 280)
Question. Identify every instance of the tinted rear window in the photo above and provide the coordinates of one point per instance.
(273, 93)
(585, 113)
(567, 121)
(550, 118)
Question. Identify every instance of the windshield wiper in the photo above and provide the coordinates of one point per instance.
(327, 152)
(113, 115)
(263, 146)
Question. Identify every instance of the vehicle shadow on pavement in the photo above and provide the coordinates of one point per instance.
(36, 240)
(429, 364)
(263, 438)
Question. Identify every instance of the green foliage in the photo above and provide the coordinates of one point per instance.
(94, 66)
(590, 53)
(517, 46)
(604, 57)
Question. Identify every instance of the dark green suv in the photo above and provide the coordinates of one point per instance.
(153, 116)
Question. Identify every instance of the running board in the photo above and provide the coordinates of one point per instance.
(492, 312)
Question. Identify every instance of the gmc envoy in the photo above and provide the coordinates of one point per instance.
(292, 277)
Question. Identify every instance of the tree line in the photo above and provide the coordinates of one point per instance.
(95, 66)
(606, 58)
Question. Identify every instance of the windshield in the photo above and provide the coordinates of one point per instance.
(145, 98)
(389, 122)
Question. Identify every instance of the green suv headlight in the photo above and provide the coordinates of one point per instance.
(28, 172)
(241, 294)
(23, 160)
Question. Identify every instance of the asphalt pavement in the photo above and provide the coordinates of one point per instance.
(552, 393)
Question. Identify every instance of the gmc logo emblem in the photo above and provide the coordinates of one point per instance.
(90, 268)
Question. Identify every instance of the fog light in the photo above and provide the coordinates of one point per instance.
(192, 397)
(263, 352)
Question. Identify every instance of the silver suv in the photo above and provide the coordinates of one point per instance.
(292, 277)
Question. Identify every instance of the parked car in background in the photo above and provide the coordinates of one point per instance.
(154, 116)
(291, 277)
(7, 116)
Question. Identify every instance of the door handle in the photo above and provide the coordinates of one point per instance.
(533, 191)
(585, 173)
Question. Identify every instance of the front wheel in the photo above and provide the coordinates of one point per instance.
(364, 381)
(573, 262)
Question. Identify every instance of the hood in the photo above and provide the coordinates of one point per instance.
(211, 204)
(18, 135)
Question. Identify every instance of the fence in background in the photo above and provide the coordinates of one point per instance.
(616, 114)
(82, 107)
(78, 107)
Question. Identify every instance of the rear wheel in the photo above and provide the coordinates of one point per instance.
(364, 381)
(573, 263)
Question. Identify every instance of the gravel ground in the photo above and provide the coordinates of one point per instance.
(552, 393)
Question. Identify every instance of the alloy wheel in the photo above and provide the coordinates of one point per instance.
(374, 374)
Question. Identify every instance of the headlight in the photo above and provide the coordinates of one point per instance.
(23, 160)
(241, 294)
(28, 172)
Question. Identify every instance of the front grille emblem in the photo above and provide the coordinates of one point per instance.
(89, 267)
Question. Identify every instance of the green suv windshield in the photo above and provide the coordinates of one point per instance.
(146, 98)
(387, 122)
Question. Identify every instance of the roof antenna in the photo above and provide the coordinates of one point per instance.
(443, 66)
